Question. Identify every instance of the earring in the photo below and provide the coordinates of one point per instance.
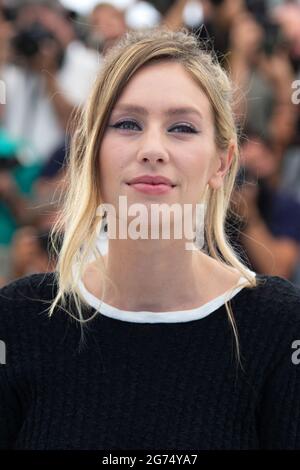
(102, 225)
(104, 222)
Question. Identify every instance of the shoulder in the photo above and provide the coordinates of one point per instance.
(25, 323)
(26, 296)
(36, 284)
(274, 304)
(274, 292)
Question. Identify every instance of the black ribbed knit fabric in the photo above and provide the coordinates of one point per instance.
(150, 385)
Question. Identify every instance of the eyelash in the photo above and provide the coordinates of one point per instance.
(117, 126)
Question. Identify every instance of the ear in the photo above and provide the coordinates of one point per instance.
(221, 166)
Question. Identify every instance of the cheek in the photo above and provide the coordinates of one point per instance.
(106, 171)
(111, 169)
(196, 167)
(108, 157)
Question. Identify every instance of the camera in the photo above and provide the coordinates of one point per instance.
(28, 42)
(9, 13)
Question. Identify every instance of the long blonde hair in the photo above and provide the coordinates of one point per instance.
(78, 222)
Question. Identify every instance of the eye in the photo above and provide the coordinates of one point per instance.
(125, 123)
(190, 129)
(129, 125)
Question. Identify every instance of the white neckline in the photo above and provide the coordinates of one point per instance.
(178, 316)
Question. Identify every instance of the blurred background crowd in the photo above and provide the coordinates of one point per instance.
(50, 53)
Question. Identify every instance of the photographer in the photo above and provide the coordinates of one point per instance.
(107, 26)
(16, 190)
(270, 232)
(51, 74)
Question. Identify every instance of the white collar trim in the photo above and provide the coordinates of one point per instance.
(177, 316)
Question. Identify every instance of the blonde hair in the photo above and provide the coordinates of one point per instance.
(77, 221)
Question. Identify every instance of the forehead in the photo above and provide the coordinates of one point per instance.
(164, 85)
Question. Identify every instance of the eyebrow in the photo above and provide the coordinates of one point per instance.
(169, 112)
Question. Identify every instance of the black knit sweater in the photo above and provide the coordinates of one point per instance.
(149, 386)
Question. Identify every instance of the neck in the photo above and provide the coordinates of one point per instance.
(154, 275)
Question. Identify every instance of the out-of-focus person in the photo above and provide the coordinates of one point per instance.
(16, 190)
(288, 17)
(30, 252)
(270, 230)
(51, 73)
(217, 19)
(107, 26)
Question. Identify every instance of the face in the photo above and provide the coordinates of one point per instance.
(109, 22)
(151, 141)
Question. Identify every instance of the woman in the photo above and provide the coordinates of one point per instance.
(157, 367)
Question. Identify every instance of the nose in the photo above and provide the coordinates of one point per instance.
(151, 147)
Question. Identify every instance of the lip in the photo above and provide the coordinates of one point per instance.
(152, 188)
(152, 184)
(152, 180)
